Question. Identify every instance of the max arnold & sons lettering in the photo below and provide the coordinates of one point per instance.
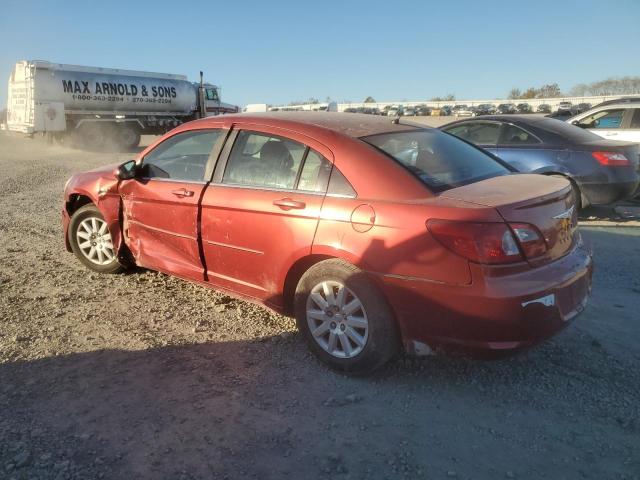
(109, 88)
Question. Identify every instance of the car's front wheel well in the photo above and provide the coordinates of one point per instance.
(76, 201)
(294, 275)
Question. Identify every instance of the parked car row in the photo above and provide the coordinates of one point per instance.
(400, 110)
(565, 109)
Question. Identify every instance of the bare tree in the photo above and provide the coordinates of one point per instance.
(549, 91)
(514, 93)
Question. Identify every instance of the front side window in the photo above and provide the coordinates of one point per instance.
(479, 133)
(440, 160)
(182, 157)
(263, 160)
(212, 94)
(512, 135)
(604, 119)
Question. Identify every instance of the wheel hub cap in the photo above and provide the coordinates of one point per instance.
(337, 319)
(94, 241)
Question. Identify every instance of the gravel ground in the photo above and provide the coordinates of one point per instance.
(145, 376)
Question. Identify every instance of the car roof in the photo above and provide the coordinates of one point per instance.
(624, 101)
(355, 125)
(550, 130)
(504, 118)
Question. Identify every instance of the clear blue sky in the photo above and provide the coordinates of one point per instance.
(279, 51)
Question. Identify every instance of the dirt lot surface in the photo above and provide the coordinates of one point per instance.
(145, 376)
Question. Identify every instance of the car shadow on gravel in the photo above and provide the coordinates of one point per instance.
(263, 408)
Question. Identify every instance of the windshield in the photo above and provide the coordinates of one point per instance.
(440, 160)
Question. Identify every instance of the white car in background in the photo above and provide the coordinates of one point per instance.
(614, 119)
(463, 111)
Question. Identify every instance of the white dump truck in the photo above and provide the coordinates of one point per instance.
(92, 106)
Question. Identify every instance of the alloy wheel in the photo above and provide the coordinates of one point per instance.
(337, 319)
(94, 241)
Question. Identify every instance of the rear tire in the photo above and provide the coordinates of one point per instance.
(126, 137)
(91, 241)
(91, 136)
(344, 318)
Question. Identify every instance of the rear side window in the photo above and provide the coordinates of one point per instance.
(263, 160)
(181, 157)
(475, 132)
(440, 160)
(268, 161)
(339, 186)
(512, 135)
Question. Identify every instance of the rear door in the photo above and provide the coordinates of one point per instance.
(160, 206)
(524, 151)
(484, 134)
(261, 211)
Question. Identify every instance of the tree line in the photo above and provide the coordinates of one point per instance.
(610, 86)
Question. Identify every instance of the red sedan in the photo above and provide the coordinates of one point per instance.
(375, 234)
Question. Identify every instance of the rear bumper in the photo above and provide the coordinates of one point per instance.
(605, 193)
(498, 314)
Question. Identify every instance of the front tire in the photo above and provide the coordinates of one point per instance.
(344, 318)
(91, 241)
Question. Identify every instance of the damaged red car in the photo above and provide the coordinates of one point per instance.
(376, 235)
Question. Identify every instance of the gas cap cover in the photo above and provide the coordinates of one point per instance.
(363, 218)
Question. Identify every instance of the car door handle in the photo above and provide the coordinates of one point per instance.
(289, 204)
(182, 192)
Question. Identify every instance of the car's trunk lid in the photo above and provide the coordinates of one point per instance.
(545, 202)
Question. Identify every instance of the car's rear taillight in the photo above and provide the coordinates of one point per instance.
(479, 242)
(612, 159)
(530, 239)
(489, 243)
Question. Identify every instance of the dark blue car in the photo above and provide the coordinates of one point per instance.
(601, 171)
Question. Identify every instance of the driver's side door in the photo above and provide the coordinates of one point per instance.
(160, 205)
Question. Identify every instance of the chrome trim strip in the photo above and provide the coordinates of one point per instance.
(167, 232)
(172, 180)
(566, 214)
(235, 280)
(266, 189)
(235, 247)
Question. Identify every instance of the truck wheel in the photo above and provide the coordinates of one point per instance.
(91, 241)
(344, 318)
(126, 137)
(91, 136)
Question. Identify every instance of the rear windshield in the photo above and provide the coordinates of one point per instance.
(566, 130)
(440, 160)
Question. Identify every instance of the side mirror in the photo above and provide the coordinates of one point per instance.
(126, 171)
